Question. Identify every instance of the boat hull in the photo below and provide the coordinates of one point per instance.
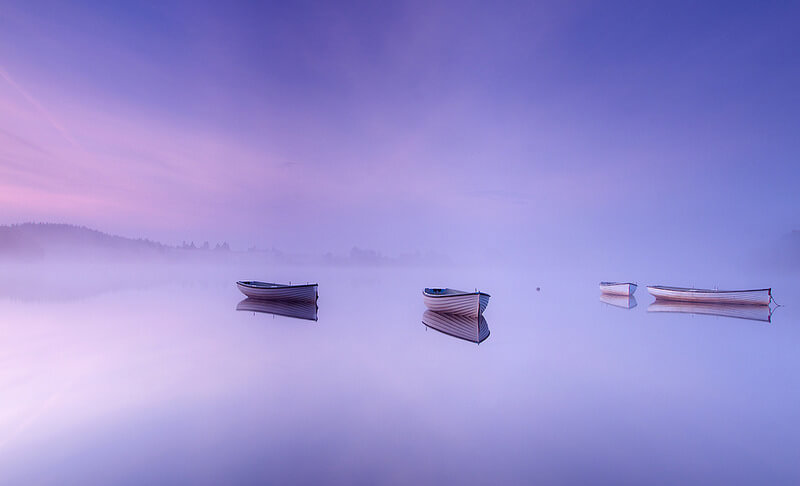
(739, 311)
(739, 297)
(466, 304)
(617, 288)
(473, 329)
(305, 293)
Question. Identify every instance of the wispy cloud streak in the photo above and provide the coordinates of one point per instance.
(46, 114)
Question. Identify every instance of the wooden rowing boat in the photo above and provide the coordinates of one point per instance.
(738, 311)
(617, 288)
(740, 297)
(296, 309)
(473, 329)
(451, 301)
(273, 291)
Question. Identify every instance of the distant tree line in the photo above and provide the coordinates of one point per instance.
(224, 246)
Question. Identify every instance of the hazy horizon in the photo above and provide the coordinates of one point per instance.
(669, 262)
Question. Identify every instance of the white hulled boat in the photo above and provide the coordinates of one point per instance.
(451, 301)
(617, 288)
(272, 291)
(746, 297)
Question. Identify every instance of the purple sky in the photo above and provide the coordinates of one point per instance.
(402, 127)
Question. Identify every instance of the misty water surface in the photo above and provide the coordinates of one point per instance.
(149, 375)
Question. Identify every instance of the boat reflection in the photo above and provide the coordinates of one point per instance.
(473, 329)
(738, 311)
(624, 301)
(285, 308)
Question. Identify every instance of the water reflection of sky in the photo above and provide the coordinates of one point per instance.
(168, 383)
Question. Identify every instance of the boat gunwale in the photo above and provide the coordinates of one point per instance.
(459, 294)
(247, 283)
(611, 284)
(712, 291)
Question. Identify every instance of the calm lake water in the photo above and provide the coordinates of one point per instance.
(129, 375)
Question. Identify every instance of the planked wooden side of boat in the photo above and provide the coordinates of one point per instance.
(742, 297)
(297, 309)
(272, 291)
(739, 311)
(451, 301)
(618, 288)
(473, 329)
(623, 301)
